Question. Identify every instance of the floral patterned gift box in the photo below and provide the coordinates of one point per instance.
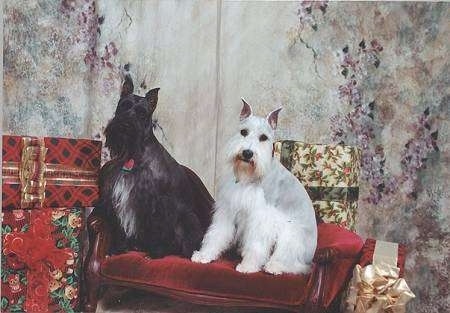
(41, 250)
(330, 175)
(46, 184)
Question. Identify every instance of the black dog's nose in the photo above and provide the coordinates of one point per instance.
(247, 154)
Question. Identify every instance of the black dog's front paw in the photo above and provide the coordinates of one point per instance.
(188, 249)
(114, 250)
(158, 252)
(191, 243)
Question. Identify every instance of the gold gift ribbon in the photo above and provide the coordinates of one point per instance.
(377, 288)
(33, 174)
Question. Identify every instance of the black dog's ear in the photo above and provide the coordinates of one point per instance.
(152, 98)
(127, 87)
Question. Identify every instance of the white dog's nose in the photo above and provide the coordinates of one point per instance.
(247, 154)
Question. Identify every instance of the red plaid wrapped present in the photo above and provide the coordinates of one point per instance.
(52, 178)
(49, 172)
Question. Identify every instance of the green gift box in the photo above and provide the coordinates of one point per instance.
(330, 174)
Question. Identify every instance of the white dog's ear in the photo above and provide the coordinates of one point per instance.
(272, 118)
(246, 110)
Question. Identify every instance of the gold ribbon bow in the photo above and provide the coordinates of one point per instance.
(377, 288)
(31, 173)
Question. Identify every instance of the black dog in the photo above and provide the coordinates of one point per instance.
(154, 203)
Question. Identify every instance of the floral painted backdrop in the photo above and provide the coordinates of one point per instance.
(375, 75)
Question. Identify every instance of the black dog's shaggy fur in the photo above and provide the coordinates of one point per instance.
(158, 206)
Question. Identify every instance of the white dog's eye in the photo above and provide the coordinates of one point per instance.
(263, 137)
(244, 132)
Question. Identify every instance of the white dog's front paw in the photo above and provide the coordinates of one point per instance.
(201, 257)
(247, 268)
(274, 267)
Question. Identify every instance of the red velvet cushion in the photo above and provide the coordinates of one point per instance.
(220, 279)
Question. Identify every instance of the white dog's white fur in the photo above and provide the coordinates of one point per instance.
(260, 206)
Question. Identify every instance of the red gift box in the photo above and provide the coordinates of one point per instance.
(49, 172)
(46, 183)
(369, 249)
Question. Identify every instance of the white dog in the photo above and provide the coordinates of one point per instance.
(260, 206)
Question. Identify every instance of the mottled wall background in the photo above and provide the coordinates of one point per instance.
(373, 74)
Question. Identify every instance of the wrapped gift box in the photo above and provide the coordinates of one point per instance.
(49, 172)
(32, 240)
(369, 251)
(330, 175)
(377, 285)
(46, 184)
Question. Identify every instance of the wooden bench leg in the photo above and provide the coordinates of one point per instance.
(92, 287)
(99, 238)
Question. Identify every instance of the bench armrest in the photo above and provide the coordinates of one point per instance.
(325, 255)
(99, 241)
(334, 243)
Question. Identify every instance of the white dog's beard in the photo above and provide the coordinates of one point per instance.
(246, 172)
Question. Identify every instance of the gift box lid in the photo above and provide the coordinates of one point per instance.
(49, 172)
(321, 165)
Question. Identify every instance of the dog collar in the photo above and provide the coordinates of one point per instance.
(128, 166)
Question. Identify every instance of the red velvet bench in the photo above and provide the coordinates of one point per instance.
(218, 283)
